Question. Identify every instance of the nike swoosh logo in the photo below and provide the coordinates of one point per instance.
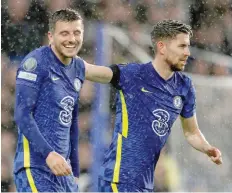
(144, 90)
(55, 78)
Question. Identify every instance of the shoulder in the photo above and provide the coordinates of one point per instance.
(79, 61)
(38, 55)
(130, 67)
(79, 64)
(35, 60)
(184, 79)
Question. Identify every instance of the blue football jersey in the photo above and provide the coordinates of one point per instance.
(57, 88)
(147, 106)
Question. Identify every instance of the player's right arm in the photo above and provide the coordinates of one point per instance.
(116, 74)
(95, 73)
(29, 78)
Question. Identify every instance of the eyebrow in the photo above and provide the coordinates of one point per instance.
(183, 44)
(78, 31)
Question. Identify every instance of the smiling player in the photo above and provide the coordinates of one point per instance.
(47, 91)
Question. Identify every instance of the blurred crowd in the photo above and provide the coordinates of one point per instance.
(24, 27)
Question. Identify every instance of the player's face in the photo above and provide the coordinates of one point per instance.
(67, 38)
(177, 52)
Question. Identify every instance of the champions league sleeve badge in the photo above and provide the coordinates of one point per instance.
(30, 64)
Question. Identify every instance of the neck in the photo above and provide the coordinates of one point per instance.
(162, 67)
(63, 59)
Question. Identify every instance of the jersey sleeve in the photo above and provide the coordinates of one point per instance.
(81, 69)
(189, 106)
(123, 74)
(29, 79)
(31, 72)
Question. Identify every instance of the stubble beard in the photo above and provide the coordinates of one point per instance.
(173, 67)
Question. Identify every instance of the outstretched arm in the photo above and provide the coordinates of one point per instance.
(95, 73)
(195, 138)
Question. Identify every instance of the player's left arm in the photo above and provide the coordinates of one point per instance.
(95, 73)
(74, 158)
(195, 138)
(191, 129)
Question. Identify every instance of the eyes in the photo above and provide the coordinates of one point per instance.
(66, 33)
(183, 45)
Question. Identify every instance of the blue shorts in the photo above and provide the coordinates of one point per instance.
(37, 180)
(105, 186)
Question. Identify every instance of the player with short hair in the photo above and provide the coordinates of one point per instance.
(47, 90)
(151, 96)
(48, 82)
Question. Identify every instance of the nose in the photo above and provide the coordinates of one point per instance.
(187, 52)
(72, 38)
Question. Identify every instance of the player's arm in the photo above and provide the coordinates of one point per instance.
(112, 74)
(26, 98)
(74, 143)
(28, 84)
(117, 75)
(191, 129)
(95, 73)
(193, 134)
(195, 138)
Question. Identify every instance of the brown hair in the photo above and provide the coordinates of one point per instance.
(63, 15)
(168, 29)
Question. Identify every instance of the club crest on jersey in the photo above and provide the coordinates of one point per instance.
(30, 64)
(77, 84)
(177, 102)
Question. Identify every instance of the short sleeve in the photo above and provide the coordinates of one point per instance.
(189, 106)
(80, 69)
(127, 73)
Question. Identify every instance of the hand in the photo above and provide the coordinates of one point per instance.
(76, 180)
(58, 164)
(214, 154)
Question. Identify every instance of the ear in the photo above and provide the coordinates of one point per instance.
(161, 47)
(50, 37)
